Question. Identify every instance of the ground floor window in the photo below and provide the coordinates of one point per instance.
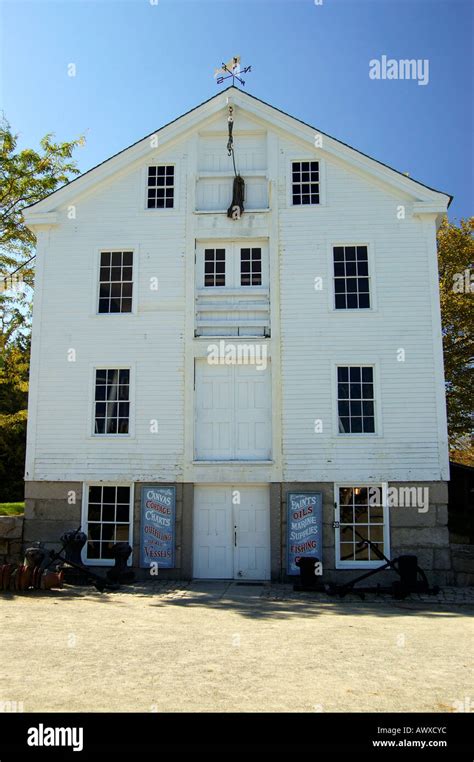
(361, 515)
(108, 520)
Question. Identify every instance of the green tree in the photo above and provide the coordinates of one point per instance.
(13, 402)
(455, 261)
(26, 176)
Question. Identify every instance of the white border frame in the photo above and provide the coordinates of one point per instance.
(337, 532)
(232, 263)
(290, 158)
(135, 249)
(132, 400)
(372, 286)
(160, 162)
(84, 510)
(357, 363)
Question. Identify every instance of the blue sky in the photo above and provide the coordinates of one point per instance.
(140, 65)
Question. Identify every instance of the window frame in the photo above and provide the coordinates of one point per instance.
(251, 272)
(91, 419)
(215, 274)
(340, 564)
(158, 162)
(359, 362)
(116, 251)
(322, 182)
(84, 519)
(134, 248)
(372, 278)
(361, 400)
(344, 279)
(233, 247)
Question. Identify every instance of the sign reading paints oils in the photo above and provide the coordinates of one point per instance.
(305, 527)
(157, 527)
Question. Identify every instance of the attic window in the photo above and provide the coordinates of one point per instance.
(161, 187)
(305, 182)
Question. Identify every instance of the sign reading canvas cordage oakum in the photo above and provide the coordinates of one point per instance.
(157, 530)
(305, 527)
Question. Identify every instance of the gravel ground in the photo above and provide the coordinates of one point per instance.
(199, 646)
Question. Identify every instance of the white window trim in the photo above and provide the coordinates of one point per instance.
(289, 184)
(232, 265)
(372, 285)
(91, 417)
(357, 363)
(85, 506)
(386, 527)
(157, 162)
(116, 315)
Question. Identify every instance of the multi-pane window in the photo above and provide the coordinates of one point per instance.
(161, 187)
(251, 267)
(355, 400)
(112, 401)
(214, 267)
(351, 277)
(108, 520)
(116, 281)
(361, 518)
(305, 182)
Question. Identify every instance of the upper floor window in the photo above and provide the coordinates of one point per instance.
(214, 267)
(112, 401)
(251, 267)
(355, 399)
(115, 281)
(305, 182)
(161, 187)
(351, 277)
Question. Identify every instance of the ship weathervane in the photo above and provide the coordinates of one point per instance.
(231, 69)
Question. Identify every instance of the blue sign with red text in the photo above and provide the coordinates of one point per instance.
(305, 527)
(157, 530)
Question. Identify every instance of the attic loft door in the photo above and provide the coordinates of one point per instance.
(233, 412)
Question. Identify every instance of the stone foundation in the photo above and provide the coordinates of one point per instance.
(411, 532)
(462, 562)
(51, 508)
(11, 539)
(54, 507)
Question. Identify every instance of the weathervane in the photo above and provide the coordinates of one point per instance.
(231, 69)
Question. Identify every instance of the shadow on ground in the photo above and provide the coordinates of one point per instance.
(260, 602)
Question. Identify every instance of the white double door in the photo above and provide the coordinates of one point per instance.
(231, 532)
(233, 412)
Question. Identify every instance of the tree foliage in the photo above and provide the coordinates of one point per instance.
(455, 262)
(26, 176)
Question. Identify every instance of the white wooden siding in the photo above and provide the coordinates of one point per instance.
(158, 341)
(314, 336)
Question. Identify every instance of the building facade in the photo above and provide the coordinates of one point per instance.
(227, 392)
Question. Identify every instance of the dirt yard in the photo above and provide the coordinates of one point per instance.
(221, 647)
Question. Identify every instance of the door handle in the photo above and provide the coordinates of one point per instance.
(235, 536)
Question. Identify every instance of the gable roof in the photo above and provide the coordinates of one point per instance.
(246, 99)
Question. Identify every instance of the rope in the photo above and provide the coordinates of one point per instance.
(230, 142)
(238, 189)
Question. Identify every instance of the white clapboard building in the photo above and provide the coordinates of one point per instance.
(230, 391)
